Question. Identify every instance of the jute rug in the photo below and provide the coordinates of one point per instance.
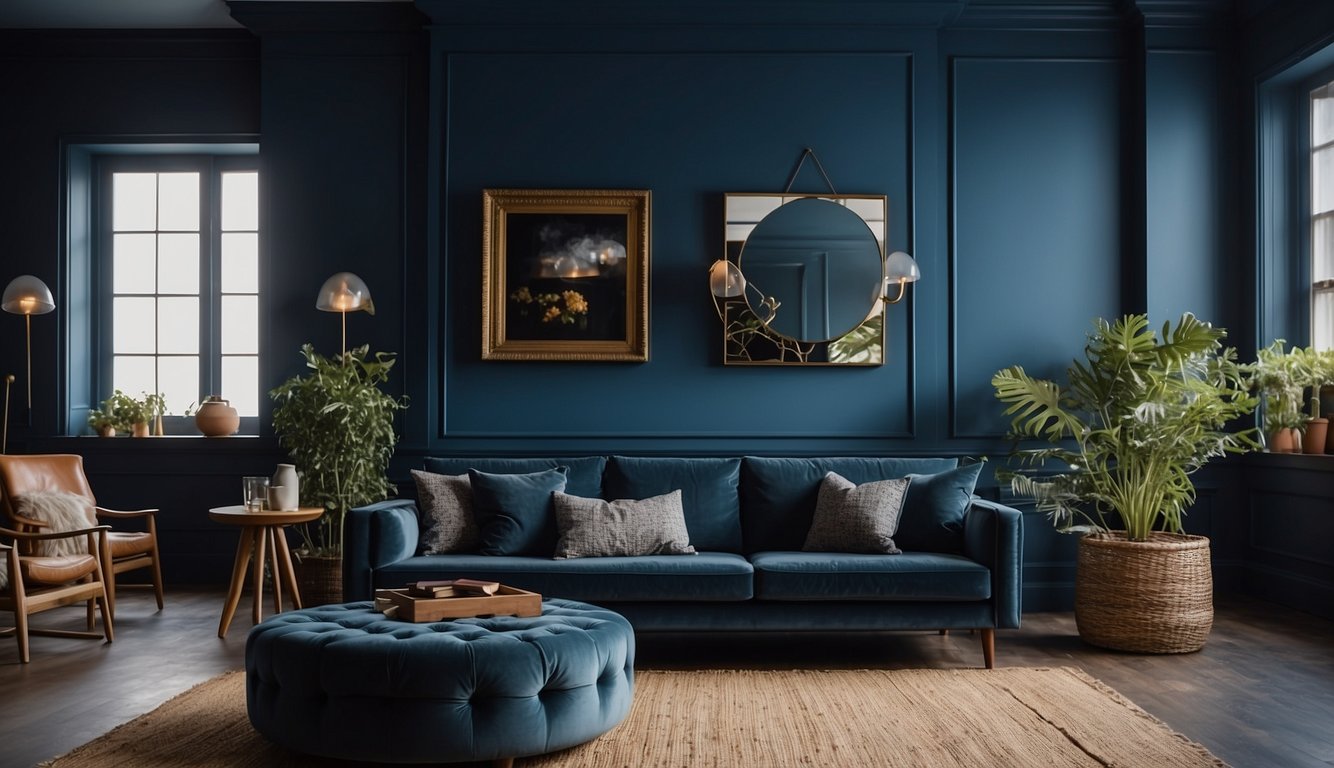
(929, 718)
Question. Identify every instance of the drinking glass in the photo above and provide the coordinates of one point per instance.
(255, 492)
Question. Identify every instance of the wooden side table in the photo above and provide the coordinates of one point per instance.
(261, 531)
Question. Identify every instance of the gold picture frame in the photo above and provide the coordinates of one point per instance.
(565, 274)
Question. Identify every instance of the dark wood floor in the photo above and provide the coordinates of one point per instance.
(1261, 693)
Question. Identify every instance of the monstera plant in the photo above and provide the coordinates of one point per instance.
(1136, 418)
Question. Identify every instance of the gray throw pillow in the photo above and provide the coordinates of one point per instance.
(622, 528)
(446, 513)
(856, 518)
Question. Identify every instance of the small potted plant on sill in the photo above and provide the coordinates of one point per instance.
(1275, 376)
(1315, 369)
(338, 427)
(1144, 412)
(118, 412)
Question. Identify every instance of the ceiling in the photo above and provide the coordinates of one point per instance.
(121, 14)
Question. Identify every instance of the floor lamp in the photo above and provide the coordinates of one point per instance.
(26, 295)
(344, 292)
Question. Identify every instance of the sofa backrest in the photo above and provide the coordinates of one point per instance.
(583, 479)
(708, 488)
(778, 495)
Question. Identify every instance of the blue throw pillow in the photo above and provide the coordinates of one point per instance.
(514, 512)
(932, 519)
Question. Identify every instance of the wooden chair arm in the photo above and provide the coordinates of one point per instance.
(27, 536)
(23, 523)
(124, 514)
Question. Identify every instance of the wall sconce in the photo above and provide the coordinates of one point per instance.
(344, 292)
(900, 269)
(27, 295)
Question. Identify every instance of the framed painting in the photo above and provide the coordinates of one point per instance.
(565, 274)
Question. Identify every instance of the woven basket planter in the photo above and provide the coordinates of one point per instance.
(319, 579)
(1154, 596)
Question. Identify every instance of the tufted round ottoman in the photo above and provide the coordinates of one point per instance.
(343, 681)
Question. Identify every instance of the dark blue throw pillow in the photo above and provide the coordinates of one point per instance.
(514, 512)
(932, 519)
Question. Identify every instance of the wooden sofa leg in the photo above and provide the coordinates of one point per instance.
(989, 647)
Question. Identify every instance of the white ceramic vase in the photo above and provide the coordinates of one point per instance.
(285, 488)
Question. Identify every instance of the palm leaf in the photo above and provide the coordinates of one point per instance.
(1035, 405)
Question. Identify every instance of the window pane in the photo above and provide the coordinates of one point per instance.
(178, 202)
(178, 264)
(240, 384)
(132, 375)
(240, 263)
(132, 322)
(1322, 181)
(132, 260)
(1322, 115)
(1322, 248)
(240, 325)
(134, 201)
(178, 326)
(1322, 321)
(240, 201)
(178, 381)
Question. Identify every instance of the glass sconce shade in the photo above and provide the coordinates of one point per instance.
(344, 292)
(725, 280)
(27, 295)
(901, 268)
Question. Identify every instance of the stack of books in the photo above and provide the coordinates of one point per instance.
(453, 588)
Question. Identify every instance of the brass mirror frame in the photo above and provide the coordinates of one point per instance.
(748, 340)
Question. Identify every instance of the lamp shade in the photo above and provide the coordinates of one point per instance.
(901, 268)
(726, 280)
(27, 295)
(343, 292)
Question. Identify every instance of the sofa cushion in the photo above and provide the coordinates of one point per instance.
(708, 493)
(621, 528)
(856, 518)
(584, 477)
(832, 576)
(447, 520)
(778, 494)
(514, 515)
(653, 578)
(932, 519)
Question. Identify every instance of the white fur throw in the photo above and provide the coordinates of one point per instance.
(61, 512)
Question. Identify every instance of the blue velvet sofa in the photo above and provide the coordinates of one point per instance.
(747, 517)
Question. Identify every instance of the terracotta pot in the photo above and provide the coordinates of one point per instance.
(139, 429)
(217, 418)
(1313, 440)
(1152, 596)
(106, 431)
(1284, 441)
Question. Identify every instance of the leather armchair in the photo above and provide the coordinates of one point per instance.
(38, 583)
(125, 550)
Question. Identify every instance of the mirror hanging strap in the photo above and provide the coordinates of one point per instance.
(808, 152)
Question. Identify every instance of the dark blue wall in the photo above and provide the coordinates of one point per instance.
(1045, 163)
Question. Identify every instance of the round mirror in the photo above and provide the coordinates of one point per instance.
(814, 268)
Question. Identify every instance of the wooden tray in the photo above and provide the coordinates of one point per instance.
(507, 601)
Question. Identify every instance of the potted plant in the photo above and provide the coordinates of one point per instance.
(1138, 416)
(1275, 375)
(118, 412)
(1315, 369)
(338, 427)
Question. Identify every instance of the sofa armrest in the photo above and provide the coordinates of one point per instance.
(994, 536)
(374, 536)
